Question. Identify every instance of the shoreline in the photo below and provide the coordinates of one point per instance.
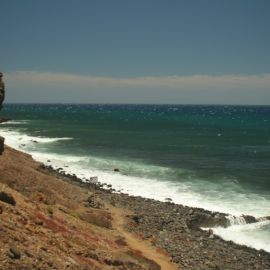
(48, 223)
(172, 228)
(167, 225)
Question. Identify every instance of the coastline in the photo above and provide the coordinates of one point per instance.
(176, 229)
(172, 229)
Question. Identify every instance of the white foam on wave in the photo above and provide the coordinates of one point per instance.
(254, 235)
(236, 220)
(14, 122)
(22, 141)
(186, 192)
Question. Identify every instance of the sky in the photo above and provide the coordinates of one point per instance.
(136, 51)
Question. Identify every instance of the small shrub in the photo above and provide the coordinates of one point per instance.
(50, 210)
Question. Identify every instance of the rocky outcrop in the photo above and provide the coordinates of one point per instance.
(249, 219)
(7, 198)
(2, 140)
(212, 219)
(207, 220)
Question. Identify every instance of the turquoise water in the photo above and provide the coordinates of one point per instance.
(215, 157)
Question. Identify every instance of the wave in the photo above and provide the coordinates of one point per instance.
(14, 122)
(22, 141)
(254, 235)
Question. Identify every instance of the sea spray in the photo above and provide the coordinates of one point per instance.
(254, 235)
(236, 220)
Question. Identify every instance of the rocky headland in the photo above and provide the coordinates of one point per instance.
(53, 220)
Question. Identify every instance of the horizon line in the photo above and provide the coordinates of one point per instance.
(135, 104)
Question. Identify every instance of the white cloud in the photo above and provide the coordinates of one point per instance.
(46, 87)
(176, 82)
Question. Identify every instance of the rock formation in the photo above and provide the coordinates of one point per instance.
(1, 145)
(2, 90)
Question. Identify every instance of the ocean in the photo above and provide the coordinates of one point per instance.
(213, 157)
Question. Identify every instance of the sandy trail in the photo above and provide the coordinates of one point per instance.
(135, 243)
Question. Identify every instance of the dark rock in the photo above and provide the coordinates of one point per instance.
(113, 262)
(44, 249)
(3, 119)
(206, 220)
(249, 219)
(14, 253)
(7, 198)
(136, 219)
(116, 170)
(43, 166)
(2, 140)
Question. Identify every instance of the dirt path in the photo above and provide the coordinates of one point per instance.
(133, 242)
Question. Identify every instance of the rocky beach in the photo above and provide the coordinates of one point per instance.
(53, 220)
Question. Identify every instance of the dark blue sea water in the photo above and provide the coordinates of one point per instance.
(215, 157)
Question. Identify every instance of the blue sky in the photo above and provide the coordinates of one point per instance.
(127, 51)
